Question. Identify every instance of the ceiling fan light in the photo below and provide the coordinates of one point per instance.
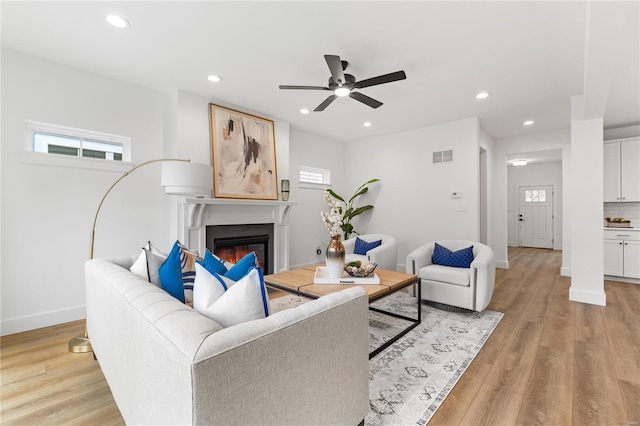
(528, 123)
(482, 95)
(214, 78)
(366, 124)
(342, 91)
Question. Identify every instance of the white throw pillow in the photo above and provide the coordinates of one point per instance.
(148, 264)
(241, 301)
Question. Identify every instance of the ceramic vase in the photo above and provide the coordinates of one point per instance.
(335, 257)
(284, 189)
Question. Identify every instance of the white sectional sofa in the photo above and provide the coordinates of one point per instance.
(167, 364)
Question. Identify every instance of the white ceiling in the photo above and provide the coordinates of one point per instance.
(529, 55)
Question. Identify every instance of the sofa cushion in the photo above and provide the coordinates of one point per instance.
(148, 264)
(457, 259)
(242, 266)
(362, 247)
(213, 263)
(177, 273)
(241, 301)
(447, 274)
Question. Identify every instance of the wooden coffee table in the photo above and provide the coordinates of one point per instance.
(300, 282)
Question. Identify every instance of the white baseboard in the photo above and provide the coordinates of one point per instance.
(502, 264)
(565, 271)
(622, 279)
(590, 297)
(512, 244)
(45, 319)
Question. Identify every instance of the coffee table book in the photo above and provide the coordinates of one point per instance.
(322, 277)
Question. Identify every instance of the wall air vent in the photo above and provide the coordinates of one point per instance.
(443, 156)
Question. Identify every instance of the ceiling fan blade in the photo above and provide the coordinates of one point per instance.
(365, 99)
(381, 79)
(304, 87)
(335, 65)
(325, 103)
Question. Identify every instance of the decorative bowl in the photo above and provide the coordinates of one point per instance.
(360, 271)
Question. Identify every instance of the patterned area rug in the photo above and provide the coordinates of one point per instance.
(410, 379)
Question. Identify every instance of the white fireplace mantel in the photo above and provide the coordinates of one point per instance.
(195, 214)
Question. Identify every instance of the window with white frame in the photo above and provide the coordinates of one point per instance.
(313, 176)
(68, 141)
(535, 196)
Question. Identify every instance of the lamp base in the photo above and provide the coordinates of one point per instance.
(80, 344)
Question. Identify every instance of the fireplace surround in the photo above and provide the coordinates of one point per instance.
(197, 217)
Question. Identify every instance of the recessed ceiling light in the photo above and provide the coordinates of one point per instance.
(528, 123)
(214, 78)
(520, 163)
(117, 21)
(366, 124)
(304, 111)
(482, 95)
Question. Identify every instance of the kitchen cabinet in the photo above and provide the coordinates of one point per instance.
(622, 170)
(622, 253)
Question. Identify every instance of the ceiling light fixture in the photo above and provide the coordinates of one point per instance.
(304, 111)
(118, 21)
(519, 163)
(366, 124)
(214, 78)
(528, 123)
(482, 95)
(342, 91)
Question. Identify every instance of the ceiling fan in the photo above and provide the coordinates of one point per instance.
(342, 84)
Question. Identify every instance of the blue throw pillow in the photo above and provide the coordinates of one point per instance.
(242, 267)
(212, 263)
(362, 247)
(170, 274)
(458, 259)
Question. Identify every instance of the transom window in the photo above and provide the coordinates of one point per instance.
(535, 196)
(315, 176)
(61, 140)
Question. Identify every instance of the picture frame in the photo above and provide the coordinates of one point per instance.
(243, 155)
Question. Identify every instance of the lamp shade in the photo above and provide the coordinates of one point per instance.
(186, 178)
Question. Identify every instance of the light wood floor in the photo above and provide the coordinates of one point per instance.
(549, 362)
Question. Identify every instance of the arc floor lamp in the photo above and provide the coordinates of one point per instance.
(179, 177)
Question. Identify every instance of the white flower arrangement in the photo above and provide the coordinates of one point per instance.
(333, 218)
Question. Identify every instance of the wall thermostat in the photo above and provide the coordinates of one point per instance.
(456, 194)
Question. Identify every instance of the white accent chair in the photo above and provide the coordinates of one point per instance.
(468, 288)
(385, 255)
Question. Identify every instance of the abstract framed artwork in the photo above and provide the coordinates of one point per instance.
(243, 154)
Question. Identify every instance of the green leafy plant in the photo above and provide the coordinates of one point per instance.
(347, 209)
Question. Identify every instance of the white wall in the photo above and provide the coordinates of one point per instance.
(485, 183)
(47, 211)
(306, 230)
(191, 138)
(556, 139)
(534, 174)
(413, 200)
(587, 265)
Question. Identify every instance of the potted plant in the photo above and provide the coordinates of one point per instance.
(347, 210)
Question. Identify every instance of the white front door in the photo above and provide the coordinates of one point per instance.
(535, 216)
